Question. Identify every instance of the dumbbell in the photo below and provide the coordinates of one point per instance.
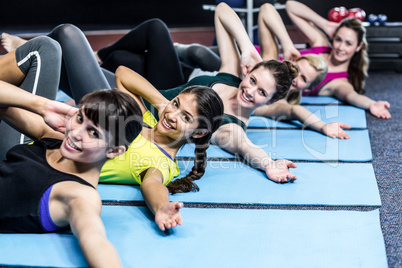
(376, 20)
(337, 14)
(357, 13)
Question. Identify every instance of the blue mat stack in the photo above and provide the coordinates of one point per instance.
(313, 223)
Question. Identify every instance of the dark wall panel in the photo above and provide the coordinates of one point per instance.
(94, 14)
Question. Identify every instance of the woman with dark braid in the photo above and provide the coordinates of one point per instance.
(192, 116)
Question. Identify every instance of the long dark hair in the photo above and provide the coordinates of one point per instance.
(283, 73)
(114, 111)
(358, 66)
(210, 112)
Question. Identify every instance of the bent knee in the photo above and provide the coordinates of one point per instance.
(157, 26)
(65, 31)
(46, 44)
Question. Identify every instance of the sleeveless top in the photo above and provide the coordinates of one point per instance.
(25, 175)
(140, 156)
(204, 80)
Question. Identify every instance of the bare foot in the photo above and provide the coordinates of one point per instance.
(97, 58)
(11, 42)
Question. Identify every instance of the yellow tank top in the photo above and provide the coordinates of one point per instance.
(140, 156)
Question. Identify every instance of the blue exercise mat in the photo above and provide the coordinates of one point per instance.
(62, 97)
(218, 238)
(355, 117)
(225, 182)
(319, 100)
(294, 144)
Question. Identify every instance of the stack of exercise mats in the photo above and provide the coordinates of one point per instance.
(239, 218)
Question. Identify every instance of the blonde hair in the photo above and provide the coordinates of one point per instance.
(320, 65)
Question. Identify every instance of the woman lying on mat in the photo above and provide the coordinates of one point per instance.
(149, 161)
(50, 184)
(346, 57)
(192, 116)
(266, 82)
(34, 67)
(312, 70)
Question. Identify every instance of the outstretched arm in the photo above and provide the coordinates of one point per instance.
(138, 87)
(86, 224)
(156, 196)
(233, 139)
(270, 26)
(344, 91)
(281, 110)
(229, 32)
(307, 21)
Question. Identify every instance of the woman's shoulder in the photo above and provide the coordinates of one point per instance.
(210, 80)
(231, 119)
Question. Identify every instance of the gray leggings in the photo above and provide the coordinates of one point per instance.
(40, 61)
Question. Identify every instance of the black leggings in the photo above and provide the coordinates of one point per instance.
(199, 56)
(148, 50)
(80, 72)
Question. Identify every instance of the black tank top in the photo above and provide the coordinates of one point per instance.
(24, 177)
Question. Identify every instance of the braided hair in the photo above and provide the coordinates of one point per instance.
(210, 112)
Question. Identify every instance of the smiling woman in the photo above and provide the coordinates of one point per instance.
(346, 57)
(312, 70)
(50, 185)
(192, 116)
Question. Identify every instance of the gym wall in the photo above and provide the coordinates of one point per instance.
(23, 15)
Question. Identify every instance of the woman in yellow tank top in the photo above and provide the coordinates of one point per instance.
(192, 116)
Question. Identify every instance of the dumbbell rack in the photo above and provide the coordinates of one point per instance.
(385, 46)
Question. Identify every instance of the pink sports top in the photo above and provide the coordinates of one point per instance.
(328, 78)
